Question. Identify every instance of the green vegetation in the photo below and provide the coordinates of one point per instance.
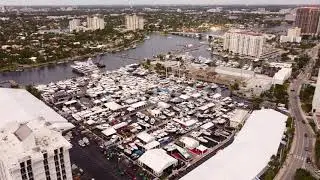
(256, 103)
(34, 91)
(235, 86)
(277, 93)
(302, 174)
(317, 152)
(274, 166)
(25, 44)
(306, 96)
(299, 64)
(275, 162)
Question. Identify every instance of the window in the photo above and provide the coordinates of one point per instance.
(23, 171)
(29, 168)
(56, 151)
(30, 174)
(45, 155)
(29, 162)
(22, 165)
(61, 149)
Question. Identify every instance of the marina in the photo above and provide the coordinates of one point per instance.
(154, 45)
(131, 113)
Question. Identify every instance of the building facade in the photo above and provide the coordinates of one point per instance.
(134, 22)
(74, 24)
(244, 43)
(307, 18)
(95, 23)
(31, 151)
(293, 35)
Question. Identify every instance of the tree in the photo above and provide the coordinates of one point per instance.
(302, 174)
(235, 86)
(34, 91)
(256, 103)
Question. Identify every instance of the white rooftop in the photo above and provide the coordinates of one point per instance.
(145, 137)
(113, 106)
(19, 141)
(157, 159)
(18, 105)
(189, 142)
(250, 152)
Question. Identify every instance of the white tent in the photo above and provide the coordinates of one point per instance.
(163, 105)
(158, 160)
(113, 106)
(151, 145)
(145, 137)
(110, 131)
(257, 141)
(189, 143)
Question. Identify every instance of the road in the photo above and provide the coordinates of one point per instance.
(303, 142)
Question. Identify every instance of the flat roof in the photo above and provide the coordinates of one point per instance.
(145, 137)
(157, 159)
(250, 152)
(21, 141)
(113, 106)
(18, 105)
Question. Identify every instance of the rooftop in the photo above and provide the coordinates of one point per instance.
(157, 160)
(19, 141)
(18, 105)
(258, 140)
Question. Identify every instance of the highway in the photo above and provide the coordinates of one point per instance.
(304, 137)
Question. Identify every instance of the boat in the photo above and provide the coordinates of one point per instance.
(85, 68)
(203, 140)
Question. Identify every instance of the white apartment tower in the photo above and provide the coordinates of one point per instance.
(95, 23)
(244, 43)
(31, 151)
(134, 22)
(293, 35)
(74, 24)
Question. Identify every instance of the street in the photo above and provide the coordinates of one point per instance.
(302, 145)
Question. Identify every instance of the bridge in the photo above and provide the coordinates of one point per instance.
(196, 35)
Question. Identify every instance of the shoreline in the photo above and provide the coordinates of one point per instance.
(70, 59)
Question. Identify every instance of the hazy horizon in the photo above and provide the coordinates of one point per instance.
(159, 2)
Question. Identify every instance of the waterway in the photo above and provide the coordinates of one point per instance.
(157, 44)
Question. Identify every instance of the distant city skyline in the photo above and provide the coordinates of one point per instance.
(148, 2)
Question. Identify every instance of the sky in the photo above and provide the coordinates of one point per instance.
(152, 2)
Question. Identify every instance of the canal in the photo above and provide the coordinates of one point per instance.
(157, 44)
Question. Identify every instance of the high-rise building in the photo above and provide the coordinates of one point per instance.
(31, 151)
(244, 43)
(293, 35)
(134, 22)
(74, 25)
(2, 9)
(307, 18)
(95, 23)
